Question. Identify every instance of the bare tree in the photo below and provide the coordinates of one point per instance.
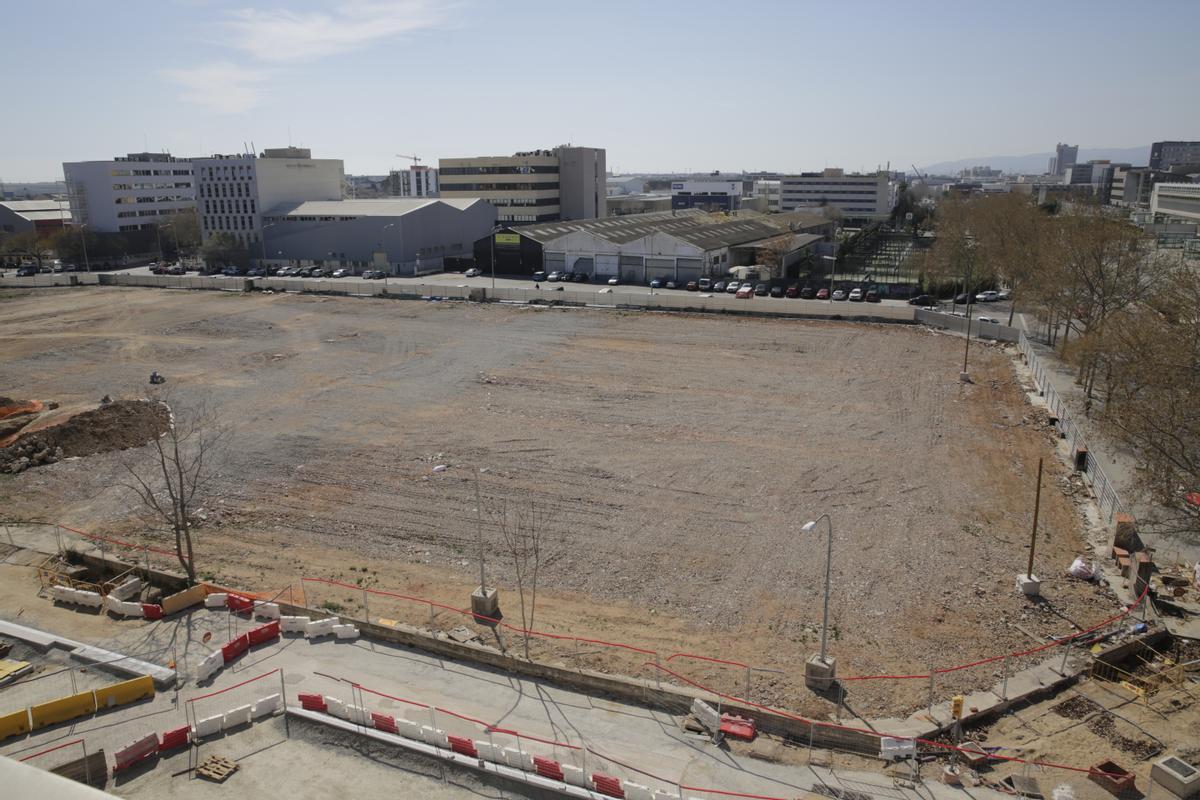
(523, 531)
(774, 251)
(174, 478)
(1012, 233)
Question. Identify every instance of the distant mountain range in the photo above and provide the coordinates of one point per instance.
(1035, 163)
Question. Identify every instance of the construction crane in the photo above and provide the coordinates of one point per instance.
(414, 158)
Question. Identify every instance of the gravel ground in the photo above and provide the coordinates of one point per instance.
(674, 459)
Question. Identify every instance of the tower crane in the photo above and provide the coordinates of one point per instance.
(415, 159)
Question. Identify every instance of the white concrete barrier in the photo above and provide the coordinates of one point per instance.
(660, 794)
(293, 624)
(435, 737)
(266, 610)
(215, 600)
(635, 791)
(408, 729)
(490, 752)
(237, 716)
(707, 715)
(518, 760)
(207, 726)
(575, 776)
(85, 598)
(63, 594)
(359, 715)
(320, 627)
(337, 708)
(210, 666)
(128, 589)
(122, 608)
(266, 705)
(345, 631)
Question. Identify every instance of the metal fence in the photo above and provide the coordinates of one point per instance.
(1103, 489)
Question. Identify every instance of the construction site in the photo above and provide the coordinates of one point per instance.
(636, 488)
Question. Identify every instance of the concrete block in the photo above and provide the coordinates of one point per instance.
(435, 737)
(518, 760)
(359, 715)
(266, 610)
(635, 791)
(215, 600)
(408, 729)
(1177, 776)
(707, 715)
(337, 708)
(490, 752)
(575, 776)
(208, 726)
(266, 705)
(345, 631)
(485, 604)
(293, 624)
(1029, 585)
(128, 589)
(320, 627)
(237, 716)
(818, 674)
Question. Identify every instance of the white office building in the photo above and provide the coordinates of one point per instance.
(864, 198)
(233, 192)
(416, 181)
(770, 190)
(1179, 200)
(129, 193)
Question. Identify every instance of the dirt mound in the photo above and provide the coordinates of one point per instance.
(113, 426)
(11, 408)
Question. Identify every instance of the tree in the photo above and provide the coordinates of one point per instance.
(1012, 234)
(954, 258)
(224, 249)
(523, 531)
(774, 251)
(176, 477)
(181, 236)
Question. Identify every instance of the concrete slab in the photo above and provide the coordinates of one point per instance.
(163, 677)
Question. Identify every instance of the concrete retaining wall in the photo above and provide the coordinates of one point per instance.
(980, 330)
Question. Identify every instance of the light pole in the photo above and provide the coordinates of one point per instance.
(401, 232)
(821, 671)
(832, 263)
(87, 267)
(262, 241)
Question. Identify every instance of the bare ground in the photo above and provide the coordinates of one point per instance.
(675, 456)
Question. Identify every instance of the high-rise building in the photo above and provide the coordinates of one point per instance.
(1164, 155)
(129, 193)
(1064, 158)
(233, 192)
(536, 186)
(416, 181)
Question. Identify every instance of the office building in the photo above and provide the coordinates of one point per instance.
(640, 203)
(416, 181)
(768, 189)
(400, 236)
(536, 186)
(1063, 158)
(707, 195)
(858, 198)
(42, 216)
(1165, 155)
(233, 191)
(1178, 200)
(130, 193)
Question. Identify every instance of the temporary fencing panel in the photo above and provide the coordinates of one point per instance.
(175, 739)
(607, 784)
(62, 709)
(384, 722)
(463, 746)
(135, 751)
(235, 648)
(313, 702)
(255, 701)
(14, 724)
(125, 692)
(263, 633)
(548, 768)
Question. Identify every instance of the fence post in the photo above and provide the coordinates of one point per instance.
(1004, 685)
(287, 727)
(931, 691)
(366, 607)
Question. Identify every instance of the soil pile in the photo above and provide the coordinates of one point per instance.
(15, 415)
(113, 426)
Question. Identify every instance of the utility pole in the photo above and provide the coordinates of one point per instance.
(1037, 503)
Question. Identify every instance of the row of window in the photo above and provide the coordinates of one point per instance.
(789, 192)
(149, 212)
(161, 198)
(228, 223)
(124, 173)
(227, 172)
(524, 201)
(498, 187)
(234, 207)
(519, 170)
(125, 187)
(224, 190)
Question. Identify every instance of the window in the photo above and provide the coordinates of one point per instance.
(117, 187)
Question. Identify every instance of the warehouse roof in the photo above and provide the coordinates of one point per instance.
(699, 228)
(37, 210)
(388, 207)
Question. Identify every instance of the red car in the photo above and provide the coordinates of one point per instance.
(822, 294)
(792, 291)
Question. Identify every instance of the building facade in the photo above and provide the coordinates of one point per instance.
(1178, 200)
(710, 195)
(416, 181)
(1164, 155)
(233, 191)
(535, 186)
(857, 197)
(129, 193)
(768, 188)
(39, 216)
(1063, 159)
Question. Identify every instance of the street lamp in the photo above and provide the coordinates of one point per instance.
(832, 263)
(262, 241)
(820, 671)
(401, 233)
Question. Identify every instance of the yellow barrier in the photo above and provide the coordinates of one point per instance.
(125, 692)
(14, 723)
(181, 600)
(62, 709)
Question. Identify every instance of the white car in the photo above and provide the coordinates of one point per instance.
(987, 297)
(553, 276)
(988, 319)
(340, 273)
(613, 281)
(732, 287)
(856, 294)
(1004, 294)
(473, 272)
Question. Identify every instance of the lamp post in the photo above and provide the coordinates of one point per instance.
(832, 262)
(401, 232)
(820, 671)
(262, 241)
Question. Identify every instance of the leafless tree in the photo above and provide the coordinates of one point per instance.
(774, 251)
(523, 529)
(172, 481)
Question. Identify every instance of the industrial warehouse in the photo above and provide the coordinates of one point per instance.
(672, 245)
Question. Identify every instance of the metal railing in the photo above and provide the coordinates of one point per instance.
(1103, 488)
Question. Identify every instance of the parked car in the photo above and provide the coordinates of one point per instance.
(776, 291)
(872, 296)
(26, 271)
(473, 272)
(822, 294)
(340, 273)
(539, 276)
(921, 300)
(581, 277)
(988, 319)
(375, 274)
(760, 289)
(856, 295)
(566, 277)
(987, 297)
(671, 285)
(656, 283)
(719, 286)
(808, 293)
(704, 285)
(792, 291)
(614, 281)
(1004, 294)
(232, 272)
(317, 273)
(838, 294)
(744, 291)
(176, 269)
(733, 286)
(693, 286)
(256, 272)
(964, 299)
(553, 276)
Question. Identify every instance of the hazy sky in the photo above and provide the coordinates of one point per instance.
(663, 85)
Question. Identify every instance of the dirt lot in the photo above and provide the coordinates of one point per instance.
(674, 457)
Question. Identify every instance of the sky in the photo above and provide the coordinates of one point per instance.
(663, 85)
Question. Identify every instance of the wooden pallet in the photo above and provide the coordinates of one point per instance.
(217, 768)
